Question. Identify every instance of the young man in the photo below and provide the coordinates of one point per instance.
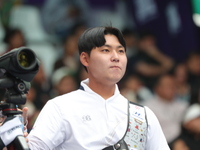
(96, 116)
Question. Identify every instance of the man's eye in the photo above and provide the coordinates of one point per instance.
(105, 50)
(121, 51)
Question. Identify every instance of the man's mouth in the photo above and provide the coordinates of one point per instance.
(117, 67)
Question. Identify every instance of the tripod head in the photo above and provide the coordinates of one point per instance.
(17, 69)
(15, 94)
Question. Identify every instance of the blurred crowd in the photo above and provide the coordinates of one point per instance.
(51, 28)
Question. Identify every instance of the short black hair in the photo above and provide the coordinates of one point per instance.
(95, 37)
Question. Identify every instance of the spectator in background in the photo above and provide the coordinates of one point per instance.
(131, 38)
(114, 11)
(193, 66)
(149, 62)
(63, 81)
(14, 38)
(78, 29)
(189, 139)
(181, 82)
(195, 95)
(166, 107)
(70, 56)
(60, 16)
(134, 90)
(32, 109)
(42, 86)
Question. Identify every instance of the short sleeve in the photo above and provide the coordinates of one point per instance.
(48, 127)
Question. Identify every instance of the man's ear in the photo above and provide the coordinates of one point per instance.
(84, 58)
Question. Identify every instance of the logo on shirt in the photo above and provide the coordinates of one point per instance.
(86, 118)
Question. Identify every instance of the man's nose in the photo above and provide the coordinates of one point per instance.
(115, 57)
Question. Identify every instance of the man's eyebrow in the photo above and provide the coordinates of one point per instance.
(106, 45)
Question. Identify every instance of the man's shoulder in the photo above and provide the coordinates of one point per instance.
(66, 101)
(68, 96)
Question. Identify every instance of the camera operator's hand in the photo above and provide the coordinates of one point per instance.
(25, 116)
(9, 130)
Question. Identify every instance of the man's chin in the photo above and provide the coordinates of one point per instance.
(115, 79)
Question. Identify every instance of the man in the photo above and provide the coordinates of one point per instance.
(96, 115)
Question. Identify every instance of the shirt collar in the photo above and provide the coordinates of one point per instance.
(85, 87)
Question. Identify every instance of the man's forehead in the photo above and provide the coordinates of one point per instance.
(108, 42)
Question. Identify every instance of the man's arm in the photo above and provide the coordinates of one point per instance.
(37, 144)
(47, 132)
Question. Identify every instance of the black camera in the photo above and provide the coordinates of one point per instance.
(17, 68)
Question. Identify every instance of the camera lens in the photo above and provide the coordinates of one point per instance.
(23, 59)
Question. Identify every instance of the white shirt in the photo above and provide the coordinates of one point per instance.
(83, 120)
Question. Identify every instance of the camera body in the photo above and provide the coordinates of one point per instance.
(17, 69)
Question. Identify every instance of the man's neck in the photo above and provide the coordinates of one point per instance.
(104, 90)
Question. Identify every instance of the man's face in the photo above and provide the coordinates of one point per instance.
(166, 88)
(107, 63)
